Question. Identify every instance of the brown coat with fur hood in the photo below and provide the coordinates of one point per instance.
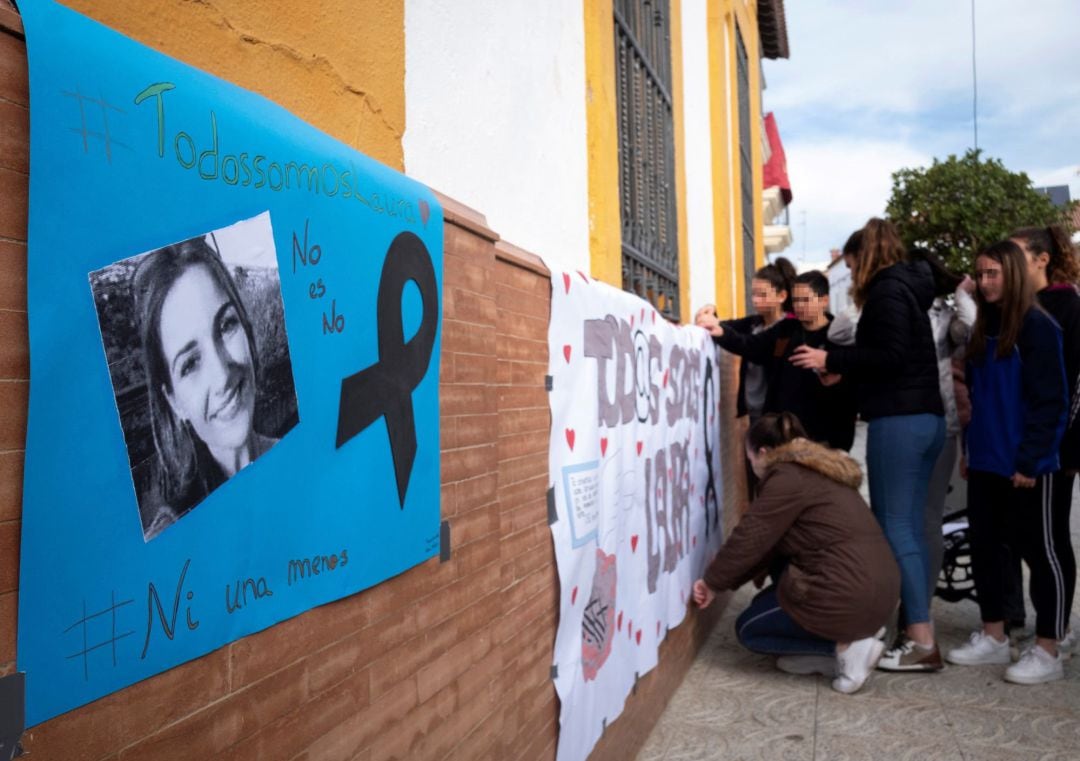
(841, 581)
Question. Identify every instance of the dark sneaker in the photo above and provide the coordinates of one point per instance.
(898, 641)
(807, 664)
(908, 656)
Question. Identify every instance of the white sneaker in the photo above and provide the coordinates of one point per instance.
(1035, 667)
(807, 664)
(980, 648)
(856, 664)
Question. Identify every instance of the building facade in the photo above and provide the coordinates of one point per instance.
(622, 138)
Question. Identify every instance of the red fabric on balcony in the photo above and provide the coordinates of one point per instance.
(776, 167)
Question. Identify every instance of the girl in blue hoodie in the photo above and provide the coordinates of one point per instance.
(1019, 404)
(1054, 270)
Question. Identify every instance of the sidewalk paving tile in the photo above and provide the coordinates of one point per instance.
(734, 705)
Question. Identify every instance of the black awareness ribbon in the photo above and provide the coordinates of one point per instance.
(385, 388)
(708, 403)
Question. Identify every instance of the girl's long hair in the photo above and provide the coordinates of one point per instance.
(879, 247)
(1016, 299)
(781, 276)
(1063, 268)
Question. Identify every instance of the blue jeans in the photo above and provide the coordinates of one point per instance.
(901, 451)
(764, 628)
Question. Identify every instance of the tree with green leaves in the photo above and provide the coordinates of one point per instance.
(957, 206)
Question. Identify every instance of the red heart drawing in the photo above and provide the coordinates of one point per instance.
(618, 622)
(566, 351)
(566, 281)
(570, 438)
(583, 277)
(573, 596)
(633, 543)
(638, 636)
(603, 446)
(639, 448)
(665, 378)
(425, 211)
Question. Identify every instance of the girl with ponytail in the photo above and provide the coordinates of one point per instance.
(838, 581)
(770, 292)
(780, 275)
(894, 365)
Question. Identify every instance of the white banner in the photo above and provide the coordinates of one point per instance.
(635, 467)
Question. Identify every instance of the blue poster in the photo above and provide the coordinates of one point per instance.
(234, 366)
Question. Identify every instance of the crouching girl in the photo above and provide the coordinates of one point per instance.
(839, 582)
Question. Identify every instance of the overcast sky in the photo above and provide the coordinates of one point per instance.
(874, 86)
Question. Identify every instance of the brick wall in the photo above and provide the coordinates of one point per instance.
(448, 660)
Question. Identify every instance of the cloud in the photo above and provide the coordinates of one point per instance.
(874, 86)
(1062, 175)
(844, 182)
(905, 57)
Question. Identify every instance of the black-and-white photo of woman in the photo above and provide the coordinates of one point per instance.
(202, 389)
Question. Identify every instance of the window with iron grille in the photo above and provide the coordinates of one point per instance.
(650, 253)
(746, 166)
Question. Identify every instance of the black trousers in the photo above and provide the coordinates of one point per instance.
(1035, 526)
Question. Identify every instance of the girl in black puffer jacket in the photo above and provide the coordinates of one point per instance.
(894, 365)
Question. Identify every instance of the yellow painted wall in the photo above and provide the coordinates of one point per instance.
(679, 124)
(603, 157)
(605, 230)
(757, 153)
(746, 25)
(725, 17)
(337, 64)
(721, 25)
(602, 140)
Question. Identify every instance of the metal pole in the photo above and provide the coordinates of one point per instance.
(974, 81)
